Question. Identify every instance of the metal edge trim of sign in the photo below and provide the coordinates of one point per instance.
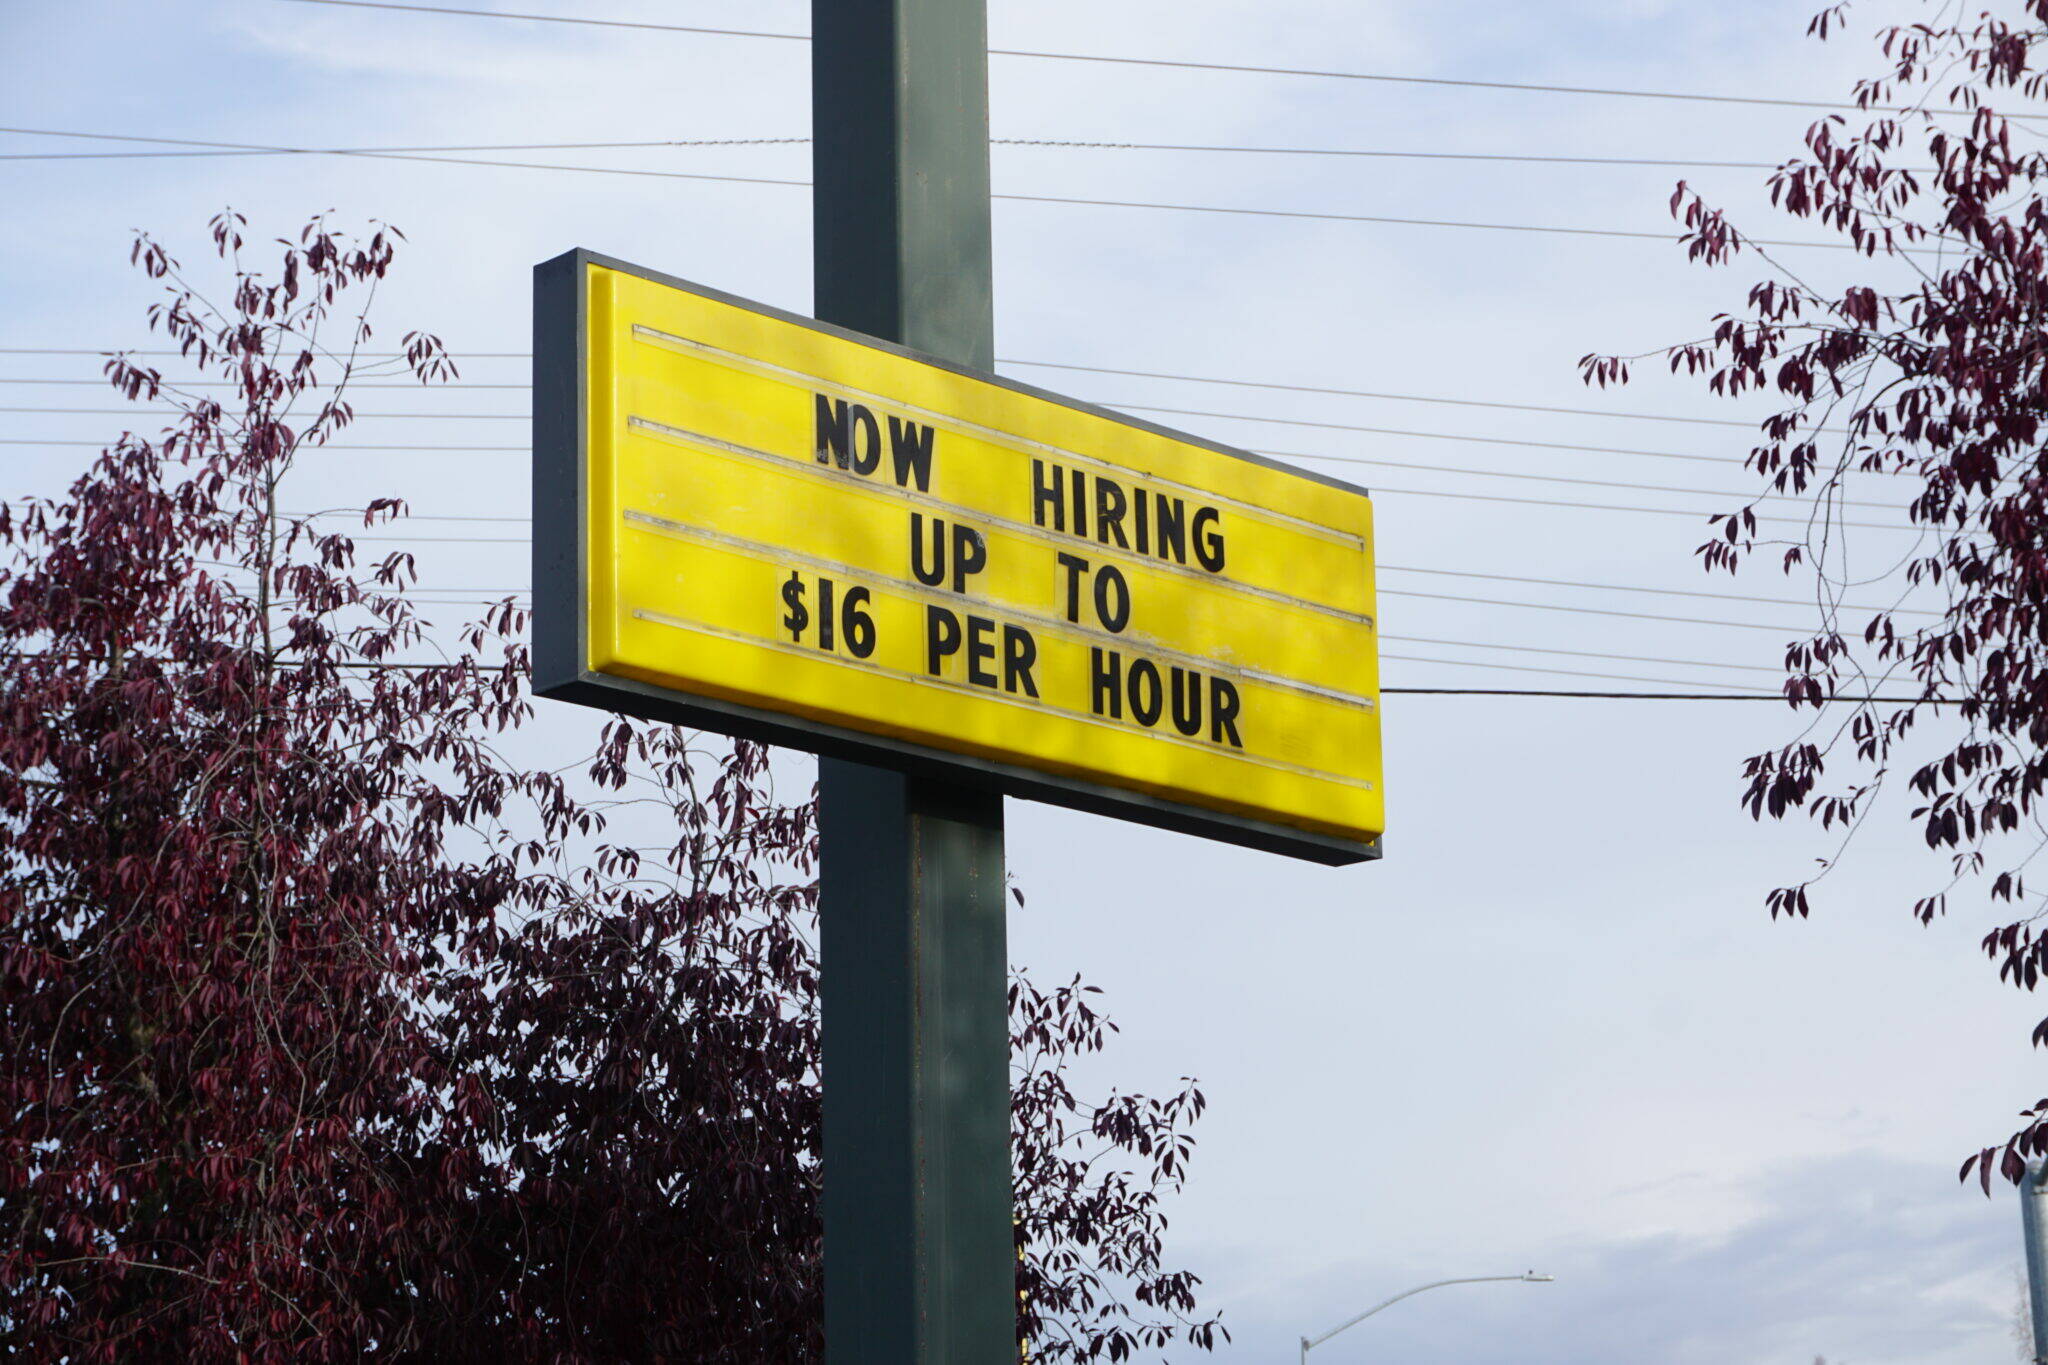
(560, 625)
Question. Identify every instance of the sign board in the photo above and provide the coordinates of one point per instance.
(752, 522)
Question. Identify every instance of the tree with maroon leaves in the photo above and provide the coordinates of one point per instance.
(328, 1032)
(1925, 385)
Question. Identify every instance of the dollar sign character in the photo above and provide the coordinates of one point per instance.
(798, 616)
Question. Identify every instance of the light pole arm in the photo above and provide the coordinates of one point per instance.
(1307, 1343)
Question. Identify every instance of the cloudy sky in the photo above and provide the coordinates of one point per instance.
(1554, 1028)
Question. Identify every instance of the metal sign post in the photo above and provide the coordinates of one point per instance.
(920, 1261)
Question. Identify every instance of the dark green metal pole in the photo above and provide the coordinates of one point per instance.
(920, 1265)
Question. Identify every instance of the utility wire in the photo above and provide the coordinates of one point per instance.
(1352, 393)
(204, 148)
(1573, 447)
(1630, 587)
(1780, 631)
(1724, 460)
(174, 385)
(451, 597)
(444, 594)
(1611, 507)
(1384, 221)
(1300, 214)
(496, 450)
(1299, 455)
(1383, 592)
(1150, 61)
(1093, 369)
(1378, 568)
(1520, 157)
(1556, 672)
(1578, 653)
(1140, 374)
(1642, 696)
(360, 416)
(360, 355)
(1693, 513)
(464, 597)
(489, 667)
(1562, 478)
(1385, 431)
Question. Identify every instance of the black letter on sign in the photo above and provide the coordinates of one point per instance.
(1173, 527)
(1105, 682)
(1109, 512)
(1075, 567)
(941, 637)
(970, 555)
(933, 574)
(1112, 597)
(1209, 546)
(867, 454)
(979, 648)
(1146, 694)
(1020, 651)
(911, 446)
(1046, 494)
(1187, 701)
(831, 431)
(1223, 705)
(860, 627)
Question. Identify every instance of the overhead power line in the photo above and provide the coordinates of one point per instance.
(1733, 496)
(1628, 587)
(1379, 568)
(195, 147)
(1585, 696)
(1383, 220)
(360, 416)
(1404, 432)
(570, 19)
(1555, 672)
(129, 350)
(1355, 393)
(176, 384)
(1664, 696)
(1458, 470)
(477, 595)
(488, 666)
(1693, 513)
(1780, 631)
(207, 147)
(1515, 157)
(1579, 653)
(1383, 591)
(1393, 431)
(1100, 369)
(460, 597)
(1164, 62)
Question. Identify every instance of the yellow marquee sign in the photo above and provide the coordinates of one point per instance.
(764, 525)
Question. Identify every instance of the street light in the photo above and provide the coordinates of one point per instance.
(1530, 1277)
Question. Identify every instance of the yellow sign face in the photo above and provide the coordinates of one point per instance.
(787, 520)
